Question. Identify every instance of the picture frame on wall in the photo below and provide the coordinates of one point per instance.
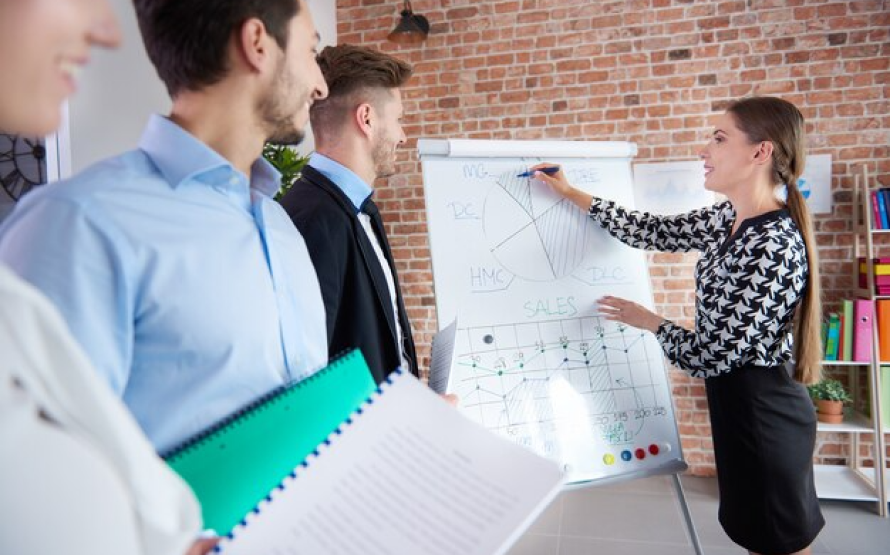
(29, 162)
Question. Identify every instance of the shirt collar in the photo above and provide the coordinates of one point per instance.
(179, 156)
(353, 186)
(264, 178)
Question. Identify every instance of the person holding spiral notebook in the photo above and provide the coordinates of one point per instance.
(76, 473)
(186, 284)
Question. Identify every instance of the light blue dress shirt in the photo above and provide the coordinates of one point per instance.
(347, 180)
(188, 286)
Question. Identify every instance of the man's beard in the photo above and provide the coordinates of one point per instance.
(384, 161)
(277, 116)
(287, 137)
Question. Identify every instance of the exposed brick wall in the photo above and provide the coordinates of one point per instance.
(650, 71)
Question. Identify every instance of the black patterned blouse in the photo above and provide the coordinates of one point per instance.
(747, 285)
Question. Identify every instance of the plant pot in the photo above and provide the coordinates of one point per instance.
(830, 418)
(830, 412)
(830, 407)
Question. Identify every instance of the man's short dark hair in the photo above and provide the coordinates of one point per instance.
(350, 72)
(187, 40)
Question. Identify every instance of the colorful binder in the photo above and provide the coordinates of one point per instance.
(880, 269)
(845, 336)
(882, 210)
(883, 309)
(234, 465)
(886, 194)
(862, 329)
(833, 340)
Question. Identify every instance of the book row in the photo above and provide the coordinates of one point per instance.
(847, 335)
(880, 207)
(881, 276)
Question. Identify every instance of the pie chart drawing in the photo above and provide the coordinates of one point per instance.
(532, 231)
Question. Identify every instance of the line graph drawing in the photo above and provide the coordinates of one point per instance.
(565, 388)
(533, 232)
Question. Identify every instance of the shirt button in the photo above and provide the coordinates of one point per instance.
(233, 181)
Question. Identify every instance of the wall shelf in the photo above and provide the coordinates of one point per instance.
(854, 423)
(845, 483)
(844, 363)
(855, 482)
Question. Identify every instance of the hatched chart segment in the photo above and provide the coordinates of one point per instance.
(532, 232)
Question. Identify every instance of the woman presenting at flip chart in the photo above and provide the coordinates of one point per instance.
(757, 308)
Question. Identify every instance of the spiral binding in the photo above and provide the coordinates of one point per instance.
(247, 411)
(300, 468)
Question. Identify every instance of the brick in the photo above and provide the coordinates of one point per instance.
(836, 39)
(713, 23)
(515, 96)
(707, 79)
(573, 65)
(461, 13)
(680, 54)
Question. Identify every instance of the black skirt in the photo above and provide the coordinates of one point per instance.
(764, 428)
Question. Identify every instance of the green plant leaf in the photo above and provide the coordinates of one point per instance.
(287, 161)
(829, 390)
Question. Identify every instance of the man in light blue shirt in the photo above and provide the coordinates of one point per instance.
(186, 284)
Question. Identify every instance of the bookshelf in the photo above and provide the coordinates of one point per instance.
(855, 482)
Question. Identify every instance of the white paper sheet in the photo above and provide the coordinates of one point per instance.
(409, 475)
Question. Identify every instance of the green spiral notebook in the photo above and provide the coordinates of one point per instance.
(235, 464)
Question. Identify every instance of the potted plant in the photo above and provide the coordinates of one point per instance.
(830, 397)
(287, 161)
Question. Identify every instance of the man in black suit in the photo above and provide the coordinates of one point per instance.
(357, 129)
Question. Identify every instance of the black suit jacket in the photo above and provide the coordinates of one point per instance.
(353, 286)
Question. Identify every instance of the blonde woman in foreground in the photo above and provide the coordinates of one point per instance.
(76, 473)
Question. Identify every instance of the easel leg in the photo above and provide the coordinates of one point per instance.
(687, 516)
